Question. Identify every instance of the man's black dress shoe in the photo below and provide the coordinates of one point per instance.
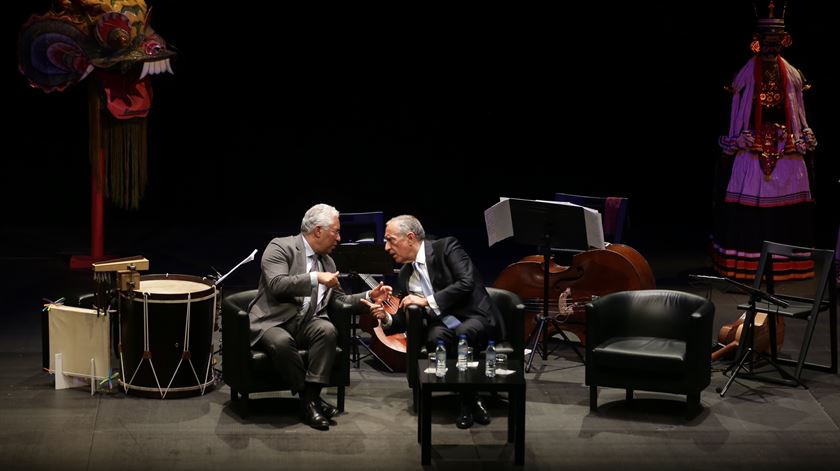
(465, 418)
(328, 410)
(480, 412)
(312, 416)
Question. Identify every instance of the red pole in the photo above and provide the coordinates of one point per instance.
(97, 212)
(97, 219)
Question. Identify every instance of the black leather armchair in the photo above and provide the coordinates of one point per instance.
(513, 316)
(653, 340)
(248, 371)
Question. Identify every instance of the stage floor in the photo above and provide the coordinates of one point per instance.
(756, 426)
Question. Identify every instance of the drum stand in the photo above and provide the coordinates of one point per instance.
(216, 357)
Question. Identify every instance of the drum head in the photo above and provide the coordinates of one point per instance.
(170, 286)
(173, 287)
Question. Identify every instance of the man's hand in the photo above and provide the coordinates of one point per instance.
(414, 299)
(330, 280)
(381, 292)
(375, 309)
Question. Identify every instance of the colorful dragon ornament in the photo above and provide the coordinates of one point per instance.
(112, 42)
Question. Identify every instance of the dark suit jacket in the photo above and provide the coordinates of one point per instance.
(458, 288)
(284, 283)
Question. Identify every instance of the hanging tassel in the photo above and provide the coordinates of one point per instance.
(124, 144)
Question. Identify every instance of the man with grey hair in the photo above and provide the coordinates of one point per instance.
(439, 276)
(297, 280)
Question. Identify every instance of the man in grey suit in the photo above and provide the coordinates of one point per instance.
(297, 281)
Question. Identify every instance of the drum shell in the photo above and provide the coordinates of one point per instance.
(167, 326)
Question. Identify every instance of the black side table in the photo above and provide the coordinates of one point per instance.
(472, 380)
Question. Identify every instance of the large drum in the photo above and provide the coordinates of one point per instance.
(166, 336)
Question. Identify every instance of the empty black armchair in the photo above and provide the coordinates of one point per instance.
(247, 370)
(653, 340)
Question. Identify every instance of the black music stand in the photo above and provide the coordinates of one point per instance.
(547, 225)
(354, 259)
(363, 227)
(745, 345)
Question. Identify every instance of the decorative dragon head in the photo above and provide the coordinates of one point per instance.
(112, 38)
(113, 41)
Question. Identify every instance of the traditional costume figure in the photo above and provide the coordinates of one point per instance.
(768, 195)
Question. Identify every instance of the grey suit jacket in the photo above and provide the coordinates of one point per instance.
(284, 283)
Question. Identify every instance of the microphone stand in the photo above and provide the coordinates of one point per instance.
(746, 346)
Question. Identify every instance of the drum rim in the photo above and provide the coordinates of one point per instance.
(198, 387)
(194, 296)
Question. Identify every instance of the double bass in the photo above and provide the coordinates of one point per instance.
(592, 273)
(389, 349)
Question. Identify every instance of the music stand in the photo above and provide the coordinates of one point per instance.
(354, 225)
(745, 345)
(354, 259)
(546, 224)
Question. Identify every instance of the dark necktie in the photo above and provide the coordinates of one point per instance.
(314, 298)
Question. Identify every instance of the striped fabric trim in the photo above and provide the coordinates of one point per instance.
(768, 201)
(743, 266)
(735, 253)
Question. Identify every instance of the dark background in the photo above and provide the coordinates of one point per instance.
(431, 111)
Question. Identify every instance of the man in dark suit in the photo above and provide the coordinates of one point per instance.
(297, 280)
(440, 276)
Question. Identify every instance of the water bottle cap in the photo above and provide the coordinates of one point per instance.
(440, 342)
(491, 342)
(463, 336)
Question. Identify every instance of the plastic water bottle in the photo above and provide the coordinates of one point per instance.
(462, 352)
(490, 359)
(440, 358)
